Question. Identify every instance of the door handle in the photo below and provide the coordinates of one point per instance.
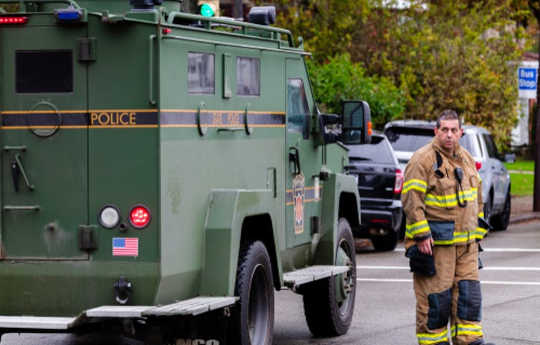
(294, 157)
(17, 169)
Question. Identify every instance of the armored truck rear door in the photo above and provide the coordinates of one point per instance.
(43, 100)
(303, 190)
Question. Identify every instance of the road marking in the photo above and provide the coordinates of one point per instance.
(499, 250)
(488, 268)
(485, 282)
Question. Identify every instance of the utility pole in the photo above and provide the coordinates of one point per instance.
(534, 5)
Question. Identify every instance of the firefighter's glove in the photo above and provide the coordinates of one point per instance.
(419, 262)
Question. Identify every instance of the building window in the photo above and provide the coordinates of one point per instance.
(248, 76)
(201, 79)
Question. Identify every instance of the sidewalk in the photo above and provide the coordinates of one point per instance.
(522, 210)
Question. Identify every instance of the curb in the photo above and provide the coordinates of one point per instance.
(525, 217)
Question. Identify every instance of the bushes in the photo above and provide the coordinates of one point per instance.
(341, 79)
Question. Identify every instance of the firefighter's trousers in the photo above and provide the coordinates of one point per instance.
(452, 296)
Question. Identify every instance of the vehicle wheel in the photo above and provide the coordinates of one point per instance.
(329, 303)
(501, 221)
(254, 317)
(385, 242)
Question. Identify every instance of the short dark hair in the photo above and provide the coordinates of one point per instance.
(448, 114)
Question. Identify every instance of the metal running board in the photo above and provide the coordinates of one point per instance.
(302, 276)
(193, 306)
(36, 322)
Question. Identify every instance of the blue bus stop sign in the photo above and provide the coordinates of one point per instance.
(527, 78)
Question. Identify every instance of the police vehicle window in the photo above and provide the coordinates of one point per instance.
(490, 146)
(201, 78)
(298, 114)
(248, 76)
(377, 151)
(46, 71)
(408, 139)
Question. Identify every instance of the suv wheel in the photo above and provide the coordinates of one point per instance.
(501, 220)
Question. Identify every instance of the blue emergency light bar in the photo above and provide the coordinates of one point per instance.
(69, 14)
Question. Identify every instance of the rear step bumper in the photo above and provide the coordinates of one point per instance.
(191, 307)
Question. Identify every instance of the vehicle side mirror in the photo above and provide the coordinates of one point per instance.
(356, 123)
(329, 127)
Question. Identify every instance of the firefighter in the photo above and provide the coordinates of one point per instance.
(442, 200)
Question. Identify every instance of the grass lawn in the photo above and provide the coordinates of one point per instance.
(520, 165)
(522, 184)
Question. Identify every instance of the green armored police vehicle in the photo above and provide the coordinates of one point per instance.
(164, 172)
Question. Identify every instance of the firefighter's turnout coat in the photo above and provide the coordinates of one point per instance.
(438, 206)
(430, 197)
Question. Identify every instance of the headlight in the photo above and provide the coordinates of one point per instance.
(109, 217)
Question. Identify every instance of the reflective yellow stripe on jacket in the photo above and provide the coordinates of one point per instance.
(432, 338)
(450, 200)
(415, 184)
(416, 228)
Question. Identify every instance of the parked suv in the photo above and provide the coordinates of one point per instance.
(380, 180)
(407, 136)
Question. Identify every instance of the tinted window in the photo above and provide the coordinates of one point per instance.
(353, 123)
(248, 80)
(490, 146)
(44, 71)
(377, 151)
(201, 73)
(408, 139)
(298, 114)
(467, 143)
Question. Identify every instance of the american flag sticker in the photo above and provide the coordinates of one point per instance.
(125, 246)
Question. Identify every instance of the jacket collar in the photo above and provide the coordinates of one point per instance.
(437, 147)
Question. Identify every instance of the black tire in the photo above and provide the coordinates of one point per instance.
(326, 316)
(254, 315)
(501, 221)
(386, 242)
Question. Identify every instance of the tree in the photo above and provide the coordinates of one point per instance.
(440, 54)
(326, 26)
(448, 55)
(340, 79)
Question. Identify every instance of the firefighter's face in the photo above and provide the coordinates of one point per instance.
(448, 133)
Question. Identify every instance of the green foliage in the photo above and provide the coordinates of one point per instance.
(450, 55)
(327, 26)
(521, 184)
(440, 54)
(340, 79)
(520, 165)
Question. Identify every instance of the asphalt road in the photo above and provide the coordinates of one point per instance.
(384, 311)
